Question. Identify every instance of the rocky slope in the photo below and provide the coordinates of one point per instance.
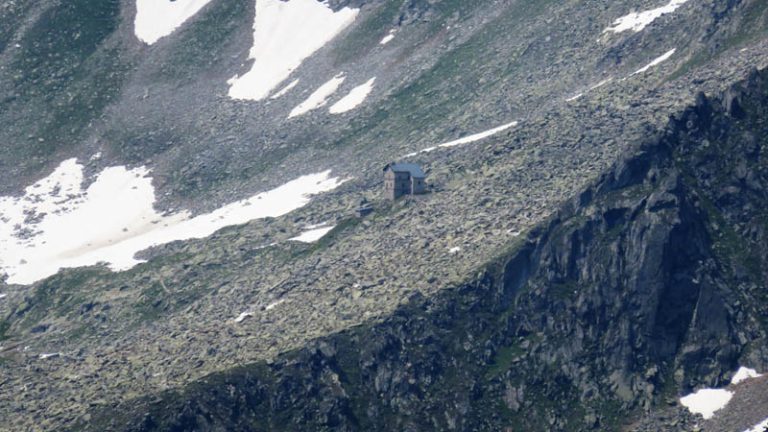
(649, 283)
(646, 284)
(455, 67)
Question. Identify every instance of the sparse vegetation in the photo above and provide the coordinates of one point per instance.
(488, 304)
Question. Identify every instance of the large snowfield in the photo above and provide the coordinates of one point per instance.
(285, 34)
(158, 18)
(58, 224)
(707, 402)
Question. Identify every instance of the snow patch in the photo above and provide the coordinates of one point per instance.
(707, 401)
(49, 355)
(760, 427)
(637, 21)
(286, 89)
(274, 305)
(594, 87)
(318, 225)
(656, 61)
(454, 250)
(355, 97)
(312, 235)
(320, 97)
(744, 374)
(2, 296)
(467, 139)
(478, 136)
(240, 318)
(56, 224)
(159, 18)
(600, 84)
(285, 34)
(578, 96)
(388, 38)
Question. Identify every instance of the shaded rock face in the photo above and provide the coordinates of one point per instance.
(647, 284)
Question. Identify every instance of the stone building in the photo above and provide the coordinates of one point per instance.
(403, 179)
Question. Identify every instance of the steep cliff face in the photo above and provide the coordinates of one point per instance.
(647, 284)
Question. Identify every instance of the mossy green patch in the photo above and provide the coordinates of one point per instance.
(5, 326)
(503, 360)
(56, 296)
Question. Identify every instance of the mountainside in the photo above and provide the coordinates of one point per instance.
(640, 286)
(180, 252)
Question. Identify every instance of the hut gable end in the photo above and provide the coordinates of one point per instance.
(403, 179)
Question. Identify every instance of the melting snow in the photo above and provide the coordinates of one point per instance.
(243, 316)
(388, 38)
(286, 89)
(571, 99)
(467, 139)
(656, 61)
(594, 87)
(49, 355)
(600, 84)
(240, 318)
(320, 97)
(707, 401)
(158, 18)
(637, 21)
(274, 305)
(355, 97)
(56, 224)
(760, 427)
(744, 374)
(312, 235)
(285, 34)
(318, 225)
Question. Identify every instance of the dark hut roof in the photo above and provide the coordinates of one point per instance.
(412, 169)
